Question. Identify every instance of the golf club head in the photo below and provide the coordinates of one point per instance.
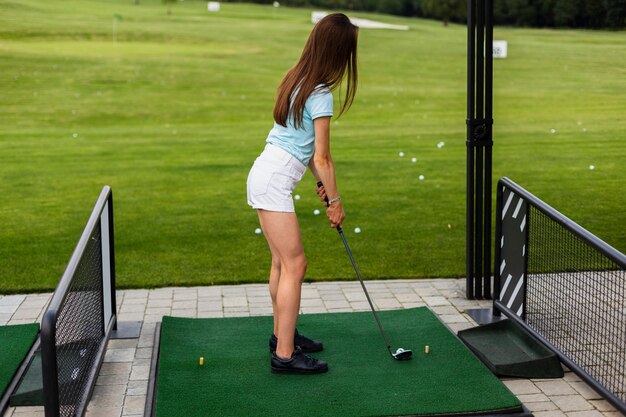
(402, 354)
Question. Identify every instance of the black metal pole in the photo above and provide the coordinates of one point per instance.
(112, 261)
(469, 235)
(479, 143)
(488, 147)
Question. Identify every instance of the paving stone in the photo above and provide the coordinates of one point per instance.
(209, 291)
(585, 390)
(235, 301)
(311, 302)
(360, 306)
(115, 368)
(552, 413)
(434, 301)
(569, 403)
(236, 313)
(521, 386)
(137, 387)
(119, 355)
(119, 389)
(210, 314)
(161, 293)
(12, 300)
(184, 305)
(591, 413)
(139, 373)
(387, 303)
(332, 296)
(135, 294)
(602, 405)
(189, 296)
(156, 311)
(444, 310)
(210, 306)
(103, 412)
(260, 301)
(28, 411)
(183, 313)
(336, 304)
(107, 401)
(555, 387)
(134, 404)
(533, 398)
(355, 296)
(143, 353)
(540, 405)
(26, 314)
(133, 308)
(261, 311)
(115, 379)
(453, 318)
(122, 343)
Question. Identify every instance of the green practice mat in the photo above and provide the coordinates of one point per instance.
(15, 342)
(363, 379)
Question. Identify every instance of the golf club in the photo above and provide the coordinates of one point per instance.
(400, 354)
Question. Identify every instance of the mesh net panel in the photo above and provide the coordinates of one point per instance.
(80, 327)
(576, 298)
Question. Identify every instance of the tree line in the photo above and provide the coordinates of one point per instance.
(590, 14)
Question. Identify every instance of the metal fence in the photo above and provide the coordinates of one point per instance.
(565, 286)
(80, 317)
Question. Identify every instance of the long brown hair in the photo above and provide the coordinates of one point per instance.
(329, 54)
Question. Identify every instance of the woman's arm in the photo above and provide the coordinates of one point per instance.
(323, 169)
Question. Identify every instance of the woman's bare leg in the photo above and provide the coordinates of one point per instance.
(283, 236)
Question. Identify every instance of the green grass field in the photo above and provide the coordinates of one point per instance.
(173, 113)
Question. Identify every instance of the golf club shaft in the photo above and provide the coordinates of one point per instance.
(358, 274)
(369, 300)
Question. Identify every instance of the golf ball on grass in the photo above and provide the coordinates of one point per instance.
(414, 160)
(421, 177)
(297, 196)
(592, 167)
(258, 231)
(316, 212)
(357, 230)
(401, 154)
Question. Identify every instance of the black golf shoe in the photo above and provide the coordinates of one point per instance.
(307, 345)
(299, 363)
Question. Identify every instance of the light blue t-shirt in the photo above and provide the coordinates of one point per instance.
(301, 142)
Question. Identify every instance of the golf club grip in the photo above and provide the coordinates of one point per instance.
(321, 184)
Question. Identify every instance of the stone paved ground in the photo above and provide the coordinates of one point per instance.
(122, 384)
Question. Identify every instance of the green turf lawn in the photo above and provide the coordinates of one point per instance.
(172, 115)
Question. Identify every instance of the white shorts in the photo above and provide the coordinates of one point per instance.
(272, 179)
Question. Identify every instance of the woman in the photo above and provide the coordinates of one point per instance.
(301, 137)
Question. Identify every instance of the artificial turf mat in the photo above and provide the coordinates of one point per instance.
(15, 342)
(363, 379)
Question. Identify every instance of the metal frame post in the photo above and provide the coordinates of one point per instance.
(479, 145)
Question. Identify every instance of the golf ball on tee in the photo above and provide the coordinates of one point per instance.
(316, 212)
(357, 230)
(258, 231)
(421, 177)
